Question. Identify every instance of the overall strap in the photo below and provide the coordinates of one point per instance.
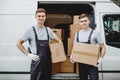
(36, 38)
(78, 36)
(47, 33)
(89, 38)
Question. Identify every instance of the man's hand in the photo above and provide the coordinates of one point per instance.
(33, 56)
(99, 61)
(71, 60)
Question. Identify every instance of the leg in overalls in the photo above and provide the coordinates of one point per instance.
(93, 72)
(83, 71)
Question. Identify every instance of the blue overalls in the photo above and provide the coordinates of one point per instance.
(41, 70)
(84, 69)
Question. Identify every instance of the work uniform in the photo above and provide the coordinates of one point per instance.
(40, 70)
(90, 37)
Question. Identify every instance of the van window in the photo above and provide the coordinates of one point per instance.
(112, 29)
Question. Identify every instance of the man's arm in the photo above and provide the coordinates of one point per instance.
(102, 53)
(103, 50)
(21, 47)
(57, 39)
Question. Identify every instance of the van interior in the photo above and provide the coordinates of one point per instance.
(60, 16)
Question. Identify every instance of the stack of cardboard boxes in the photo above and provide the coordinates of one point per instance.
(56, 66)
(63, 66)
(66, 66)
(73, 29)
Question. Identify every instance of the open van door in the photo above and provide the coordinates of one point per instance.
(61, 15)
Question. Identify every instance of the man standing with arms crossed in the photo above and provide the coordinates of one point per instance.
(39, 37)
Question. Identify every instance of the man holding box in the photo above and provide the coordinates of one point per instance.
(39, 37)
(89, 36)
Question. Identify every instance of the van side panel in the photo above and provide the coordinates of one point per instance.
(111, 59)
(15, 17)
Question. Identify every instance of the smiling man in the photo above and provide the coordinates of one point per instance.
(89, 36)
(39, 37)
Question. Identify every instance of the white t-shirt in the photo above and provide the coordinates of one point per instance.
(41, 34)
(83, 36)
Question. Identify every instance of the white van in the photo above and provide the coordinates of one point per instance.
(18, 15)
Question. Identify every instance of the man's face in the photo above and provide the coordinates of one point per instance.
(40, 17)
(84, 22)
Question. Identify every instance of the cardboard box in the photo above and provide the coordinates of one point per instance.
(54, 19)
(70, 46)
(73, 29)
(57, 32)
(85, 53)
(67, 66)
(76, 19)
(57, 52)
(56, 67)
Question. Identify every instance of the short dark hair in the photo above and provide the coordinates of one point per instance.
(40, 10)
(83, 15)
